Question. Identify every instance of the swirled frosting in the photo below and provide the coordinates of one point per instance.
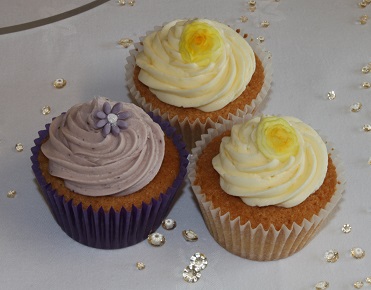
(197, 63)
(272, 161)
(94, 165)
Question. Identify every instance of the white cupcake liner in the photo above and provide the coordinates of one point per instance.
(192, 132)
(257, 243)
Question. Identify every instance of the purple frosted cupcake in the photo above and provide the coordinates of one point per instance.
(109, 172)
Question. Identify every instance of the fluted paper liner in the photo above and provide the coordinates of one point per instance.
(257, 243)
(110, 230)
(192, 132)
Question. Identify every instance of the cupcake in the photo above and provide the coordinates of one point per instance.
(264, 185)
(196, 73)
(109, 172)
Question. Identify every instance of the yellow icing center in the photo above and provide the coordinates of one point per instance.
(200, 43)
(277, 139)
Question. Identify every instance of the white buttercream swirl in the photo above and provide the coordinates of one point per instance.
(93, 165)
(259, 181)
(187, 85)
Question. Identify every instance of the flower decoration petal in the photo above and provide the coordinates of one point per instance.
(101, 123)
(123, 115)
(115, 130)
(106, 129)
(122, 124)
(100, 115)
(106, 108)
(116, 108)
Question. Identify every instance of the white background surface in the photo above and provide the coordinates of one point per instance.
(14, 12)
(316, 46)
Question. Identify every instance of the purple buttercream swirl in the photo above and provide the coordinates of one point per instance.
(96, 164)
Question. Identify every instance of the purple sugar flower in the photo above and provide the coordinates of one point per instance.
(111, 120)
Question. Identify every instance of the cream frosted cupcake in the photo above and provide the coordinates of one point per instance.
(264, 185)
(196, 73)
(109, 172)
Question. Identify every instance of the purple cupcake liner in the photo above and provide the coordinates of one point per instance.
(110, 230)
